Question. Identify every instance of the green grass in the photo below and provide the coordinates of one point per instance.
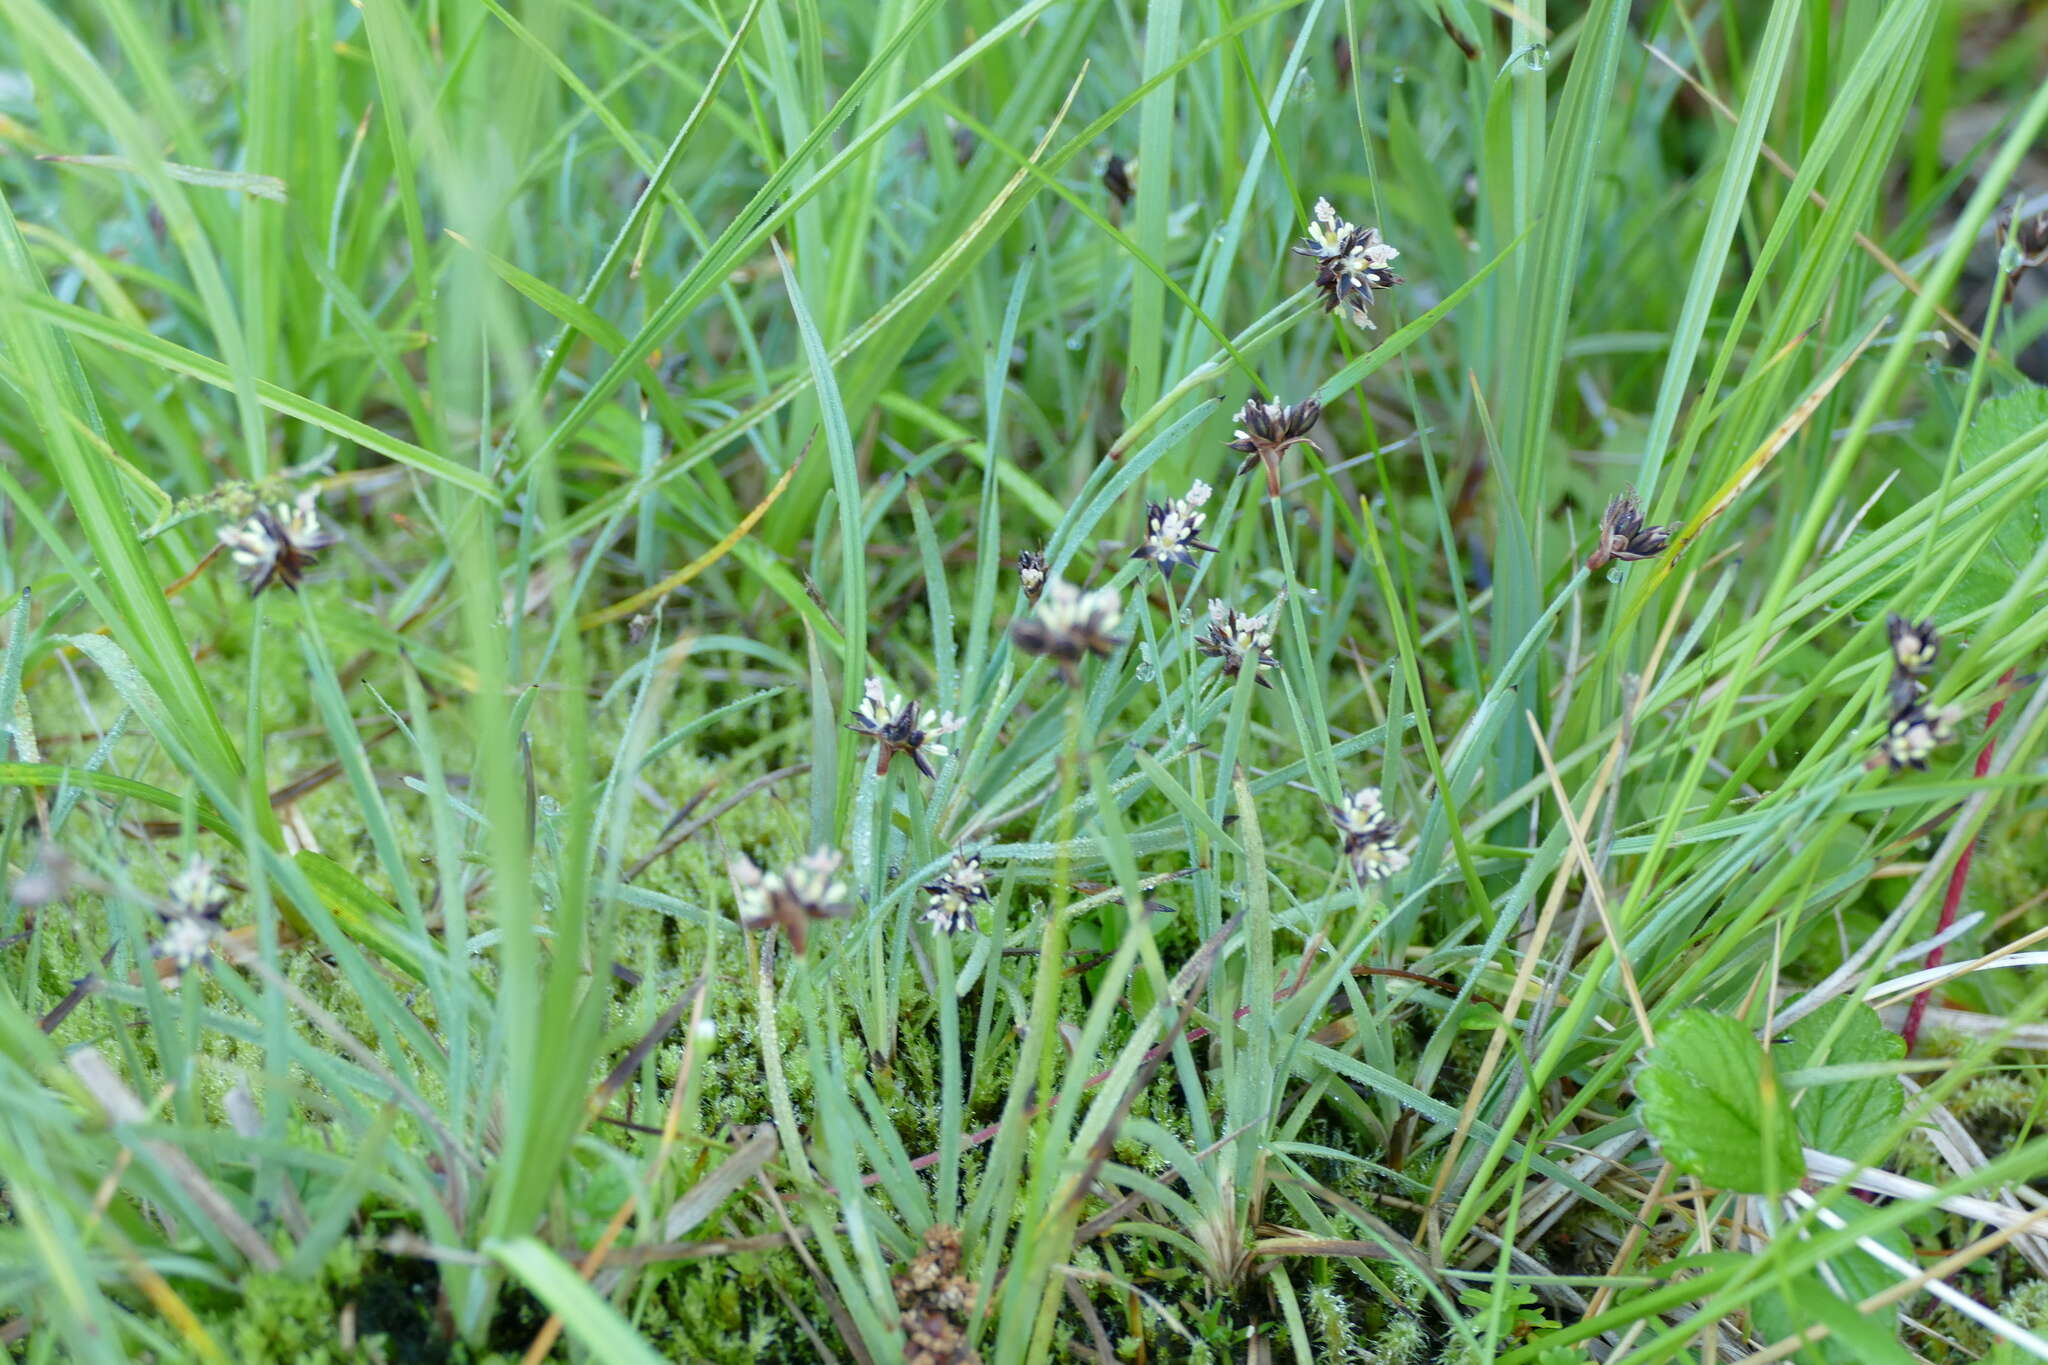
(668, 371)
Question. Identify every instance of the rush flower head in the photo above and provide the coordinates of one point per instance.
(950, 907)
(1623, 535)
(191, 909)
(808, 889)
(1915, 645)
(1171, 530)
(1265, 431)
(1351, 262)
(1116, 178)
(899, 727)
(277, 544)
(1067, 625)
(1235, 637)
(1915, 732)
(2030, 244)
(1371, 838)
(1030, 573)
(187, 943)
(195, 892)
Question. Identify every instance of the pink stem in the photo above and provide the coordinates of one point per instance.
(1916, 1014)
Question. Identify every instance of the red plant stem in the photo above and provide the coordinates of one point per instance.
(1916, 1013)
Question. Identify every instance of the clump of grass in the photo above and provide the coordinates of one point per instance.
(801, 800)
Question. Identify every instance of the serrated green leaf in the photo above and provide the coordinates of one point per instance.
(1843, 1117)
(1712, 1100)
(1998, 423)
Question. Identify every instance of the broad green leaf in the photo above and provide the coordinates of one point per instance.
(1845, 1116)
(1711, 1100)
(1806, 1299)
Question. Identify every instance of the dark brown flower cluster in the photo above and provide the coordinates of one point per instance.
(935, 1301)
(1623, 535)
(1173, 531)
(1237, 639)
(1265, 431)
(2030, 242)
(901, 727)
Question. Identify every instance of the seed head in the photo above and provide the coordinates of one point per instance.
(1351, 262)
(954, 896)
(1031, 573)
(1171, 530)
(1623, 535)
(1235, 637)
(1915, 646)
(277, 544)
(808, 889)
(1067, 625)
(1265, 431)
(1371, 838)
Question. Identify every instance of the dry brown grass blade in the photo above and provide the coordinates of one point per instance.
(841, 1319)
(638, 1053)
(1818, 200)
(1576, 830)
(628, 606)
(1545, 921)
(1904, 1289)
(1780, 436)
(707, 1194)
(121, 1105)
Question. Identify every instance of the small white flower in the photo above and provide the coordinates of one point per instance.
(1915, 733)
(953, 898)
(1371, 839)
(1031, 573)
(187, 942)
(1327, 233)
(1172, 530)
(195, 892)
(1235, 637)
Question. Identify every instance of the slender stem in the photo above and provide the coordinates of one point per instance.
(1916, 1014)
